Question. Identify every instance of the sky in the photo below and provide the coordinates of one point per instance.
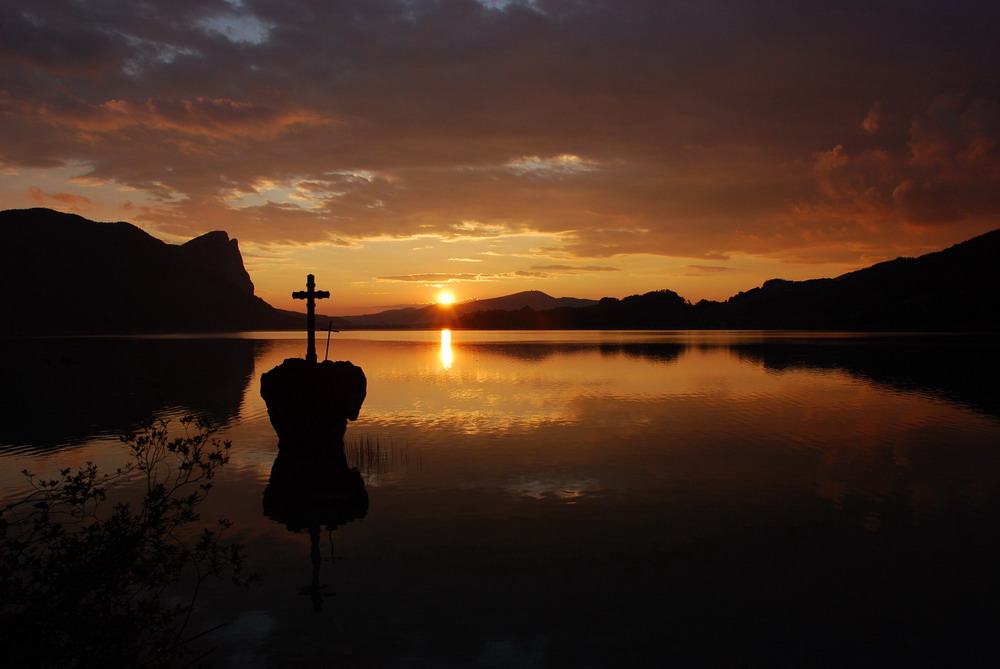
(584, 148)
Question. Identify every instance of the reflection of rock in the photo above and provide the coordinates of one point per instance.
(310, 403)
(308, 491)
(312, 487)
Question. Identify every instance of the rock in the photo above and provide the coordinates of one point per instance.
(309, 404)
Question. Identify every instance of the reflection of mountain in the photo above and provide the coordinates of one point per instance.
(663, 353)
(62, 391)
(961, 368)
(538, 351)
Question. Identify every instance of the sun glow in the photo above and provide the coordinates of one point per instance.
(445, 297)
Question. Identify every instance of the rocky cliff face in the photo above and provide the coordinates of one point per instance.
(65, 274)
(216, 253)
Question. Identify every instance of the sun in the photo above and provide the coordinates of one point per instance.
(445, 297)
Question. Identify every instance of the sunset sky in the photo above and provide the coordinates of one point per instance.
(581, 147)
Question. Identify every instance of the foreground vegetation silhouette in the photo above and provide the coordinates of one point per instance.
(91, 582)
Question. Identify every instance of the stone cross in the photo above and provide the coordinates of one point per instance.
(310, 295)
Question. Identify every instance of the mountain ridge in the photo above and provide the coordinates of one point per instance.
(73, 275)
(434, 315)
(954, 289)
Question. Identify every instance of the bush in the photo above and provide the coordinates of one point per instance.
(83, 581)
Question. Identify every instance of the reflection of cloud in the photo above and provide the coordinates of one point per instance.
(565, 490)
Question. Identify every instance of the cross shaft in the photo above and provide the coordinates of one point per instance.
(310, 295)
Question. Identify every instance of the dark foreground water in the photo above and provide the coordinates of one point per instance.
(577, 499)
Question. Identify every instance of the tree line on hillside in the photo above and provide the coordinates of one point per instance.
(957, 289)
(814, 305)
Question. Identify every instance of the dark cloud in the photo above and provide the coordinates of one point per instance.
(949, 171)
(695, 130)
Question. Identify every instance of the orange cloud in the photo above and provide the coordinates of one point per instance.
(872, 121)
(215, 118)
(573, 269)
(454, 278)
(949, 171)
(708, 269)
(62, 200)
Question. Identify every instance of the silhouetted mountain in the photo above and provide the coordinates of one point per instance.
(534, 299)
(435, 315)
(662, 309)
(67, 274)
(219, 255)
(956, 289)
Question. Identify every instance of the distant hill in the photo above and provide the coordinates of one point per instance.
(435, 315)
(957, 289)
(62, 273)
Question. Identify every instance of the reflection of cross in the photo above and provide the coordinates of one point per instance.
(314, 590)
(310, 295)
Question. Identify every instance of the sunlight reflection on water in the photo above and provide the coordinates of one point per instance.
(447, 356)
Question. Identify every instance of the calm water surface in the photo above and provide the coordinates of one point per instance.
(583, 499)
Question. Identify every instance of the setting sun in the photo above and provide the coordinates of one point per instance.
(445, 297)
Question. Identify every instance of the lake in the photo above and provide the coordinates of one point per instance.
(581, 499)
